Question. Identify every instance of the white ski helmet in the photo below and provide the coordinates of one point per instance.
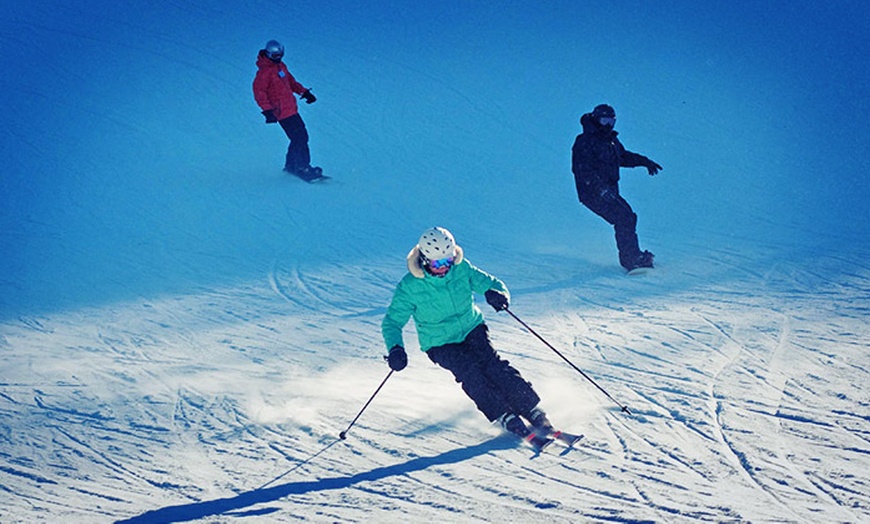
(274, 50)
(437, 243)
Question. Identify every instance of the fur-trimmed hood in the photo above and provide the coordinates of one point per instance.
(417, 270)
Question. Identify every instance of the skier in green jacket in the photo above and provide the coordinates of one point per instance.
(438, 292)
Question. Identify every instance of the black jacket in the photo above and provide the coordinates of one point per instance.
(596, 158)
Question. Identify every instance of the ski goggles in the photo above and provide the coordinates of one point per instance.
(607, 120)
(441, 263)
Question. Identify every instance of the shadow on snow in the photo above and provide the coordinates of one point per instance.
(198, 510)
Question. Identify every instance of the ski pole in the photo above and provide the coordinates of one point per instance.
(343, 434)
(297, 466)
(532, 331)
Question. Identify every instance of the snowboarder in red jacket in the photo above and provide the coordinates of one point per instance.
(275, 91)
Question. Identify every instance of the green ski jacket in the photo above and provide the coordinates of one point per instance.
(443, 308)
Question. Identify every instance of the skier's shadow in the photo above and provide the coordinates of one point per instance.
(199, 510)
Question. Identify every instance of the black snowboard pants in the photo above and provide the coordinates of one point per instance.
(609, 205)
(298, 155)
(489, 380)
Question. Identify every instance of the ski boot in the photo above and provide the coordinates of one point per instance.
(514, 424)
(542, 426)
(539, 421)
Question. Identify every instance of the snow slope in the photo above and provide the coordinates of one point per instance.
(184, 330)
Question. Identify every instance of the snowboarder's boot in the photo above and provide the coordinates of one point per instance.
(644, 259)
(310, 173)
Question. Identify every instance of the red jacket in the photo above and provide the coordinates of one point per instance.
(274, 87)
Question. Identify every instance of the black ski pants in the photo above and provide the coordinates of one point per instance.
(298, 155)
(489, 380)
(609, 205)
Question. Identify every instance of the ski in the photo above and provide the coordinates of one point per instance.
(568, 439)
(538, 442)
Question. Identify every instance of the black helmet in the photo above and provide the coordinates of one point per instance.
(604, 117)
(274, 50)
(603, 110)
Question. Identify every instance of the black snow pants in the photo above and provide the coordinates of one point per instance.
(489, 380)
(609, 205)
(298, 155)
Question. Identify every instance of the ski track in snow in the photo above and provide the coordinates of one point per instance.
(735, 417)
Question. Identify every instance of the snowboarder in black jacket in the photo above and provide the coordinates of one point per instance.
(596, 158)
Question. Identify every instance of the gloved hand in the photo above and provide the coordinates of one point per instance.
(397, 358)
(652, 167)
(496, 299)
(309, 97)
(270, 116)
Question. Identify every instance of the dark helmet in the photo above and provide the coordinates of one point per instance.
(274, 50)
(604, 116)
(603, 110)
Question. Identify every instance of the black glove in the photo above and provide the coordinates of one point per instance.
(397, 359)
(270, 116)
(652, 167)
(496, 299)
(309, 97)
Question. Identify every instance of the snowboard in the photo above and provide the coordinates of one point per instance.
(640, 271)
(317, 178)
